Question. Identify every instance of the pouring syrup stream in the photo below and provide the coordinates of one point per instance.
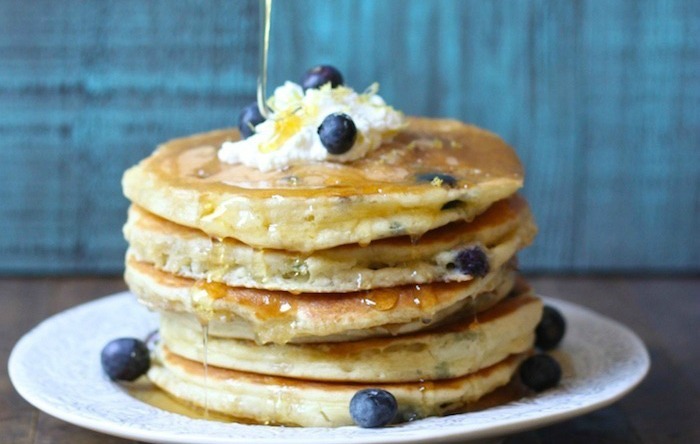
(265, 19)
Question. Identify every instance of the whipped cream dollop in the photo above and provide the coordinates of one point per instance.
(290, 134)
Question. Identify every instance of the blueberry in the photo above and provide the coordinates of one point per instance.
(540, 372)
(125, 359)
(337, 133)
(551, 328)
(473, 261)
(318, 76)
(445, 179)
(250, 117)
(373, 408)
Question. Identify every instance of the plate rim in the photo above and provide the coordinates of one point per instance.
(386, 435)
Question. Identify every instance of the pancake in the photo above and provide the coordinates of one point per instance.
(316, 206)
(504, 228)
(451, 350)
(281, 317)
(283, 292)
(308, 403)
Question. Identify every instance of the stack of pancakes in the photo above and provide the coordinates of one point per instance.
(284, 293)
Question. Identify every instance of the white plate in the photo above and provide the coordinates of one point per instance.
(56, 367)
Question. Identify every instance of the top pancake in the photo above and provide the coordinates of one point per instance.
(321, 205)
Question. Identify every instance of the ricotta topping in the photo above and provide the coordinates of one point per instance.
(289, 135)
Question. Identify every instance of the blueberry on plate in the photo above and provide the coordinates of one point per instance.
(551, 329)
(248, 118)
(445, 179)
(540, 372)
(318, 76)
(337, 133)
(125, 359)
(373, 407)
(472, 261)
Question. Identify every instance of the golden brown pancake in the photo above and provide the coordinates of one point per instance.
(504, 228)
(321, 205)
(309, 403)
(281, 317)
(455, 349)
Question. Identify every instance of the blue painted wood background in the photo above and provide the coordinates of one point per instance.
(600, 98)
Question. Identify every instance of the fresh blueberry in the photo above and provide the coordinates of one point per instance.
(337, 133)
(125, 359)
(250, 117)
(473, 261)
(445, 179)
(373, 408)
(551, 328)
(540, 372)
(318, 76)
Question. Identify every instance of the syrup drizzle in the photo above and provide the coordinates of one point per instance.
(265, 19)
(205, 361)
(203, 296)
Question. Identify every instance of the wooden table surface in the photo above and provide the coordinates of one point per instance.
(665, 313)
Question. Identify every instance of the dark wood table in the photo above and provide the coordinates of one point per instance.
(665, 312)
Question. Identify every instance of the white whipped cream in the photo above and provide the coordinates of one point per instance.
(289, 135)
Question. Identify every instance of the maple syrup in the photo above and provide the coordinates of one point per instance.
(147, 392)
(381, 299)
(265, 21)
(205, 362)
(203, 295)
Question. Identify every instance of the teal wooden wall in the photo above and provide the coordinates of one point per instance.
(600, 98)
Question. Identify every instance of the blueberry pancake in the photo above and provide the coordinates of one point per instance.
(438, 255)
(282, 317)
(275, 400)
(461, 346)
(433, 172)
